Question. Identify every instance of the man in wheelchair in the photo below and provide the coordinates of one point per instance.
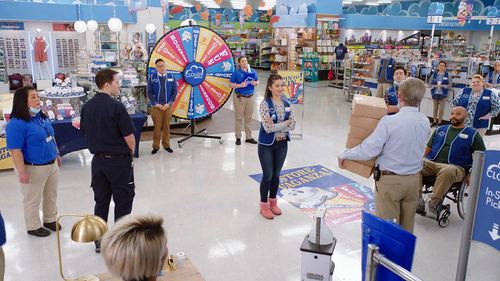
(448, 155)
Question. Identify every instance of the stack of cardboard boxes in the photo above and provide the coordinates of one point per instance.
(366, 112)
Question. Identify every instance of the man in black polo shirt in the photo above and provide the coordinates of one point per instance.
(109, 133)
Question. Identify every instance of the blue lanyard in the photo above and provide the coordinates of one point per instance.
(39, 121)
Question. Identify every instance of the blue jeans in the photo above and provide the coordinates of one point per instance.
(271, 159)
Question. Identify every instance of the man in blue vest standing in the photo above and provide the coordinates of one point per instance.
(449, 154)
(162, 91)
(391, 95)
(243, 81)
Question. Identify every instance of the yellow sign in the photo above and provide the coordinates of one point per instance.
(5, 156)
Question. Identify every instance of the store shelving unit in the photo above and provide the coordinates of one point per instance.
(310, 66)
(3, 67)
(280, 50)
(327, 38)
(356, 73)
(266, 52)
(108, 44)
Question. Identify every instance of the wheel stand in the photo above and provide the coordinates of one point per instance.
(194, 133)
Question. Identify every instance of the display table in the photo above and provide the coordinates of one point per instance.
(5, 156)
(70, 139)
(187, 273)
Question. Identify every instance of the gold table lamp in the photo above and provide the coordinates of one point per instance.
(87, 229)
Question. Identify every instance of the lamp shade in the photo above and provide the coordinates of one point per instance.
(88, 229)
(150, 28)
(80, 26)
(92, 25)
(115, 24)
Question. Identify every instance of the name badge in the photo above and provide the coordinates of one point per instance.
(445, 78)
(170, 79)
(48, 139)
(486, 98)
(288, 109)
(274, 117)
(463, 136)
(389, 65)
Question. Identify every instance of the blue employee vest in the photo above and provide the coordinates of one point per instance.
(445, 81)
(389, 70)
(460, 153)
(3, 236)
(392, 95)
(483, 106)
(239, 76)
(154, 82)
(491, 75)
(268, 139)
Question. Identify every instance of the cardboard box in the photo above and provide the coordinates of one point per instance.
(363, 122)
(358, 133)
(369, 107)
(352, 142)
(358, 168)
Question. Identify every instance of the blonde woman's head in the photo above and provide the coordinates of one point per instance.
(135, 248)
(477, 83)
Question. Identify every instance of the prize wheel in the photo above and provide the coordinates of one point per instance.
(202, 64)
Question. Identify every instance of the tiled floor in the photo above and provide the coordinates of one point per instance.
(210, 206)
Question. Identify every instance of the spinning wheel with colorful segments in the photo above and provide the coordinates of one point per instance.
(202, 64)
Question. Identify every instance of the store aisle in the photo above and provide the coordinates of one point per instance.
(210, 206)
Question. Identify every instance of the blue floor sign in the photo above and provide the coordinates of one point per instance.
(486, 226)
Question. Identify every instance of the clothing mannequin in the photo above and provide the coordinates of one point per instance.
(40, 47)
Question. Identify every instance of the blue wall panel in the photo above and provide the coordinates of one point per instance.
(404, 23)
(26, 11)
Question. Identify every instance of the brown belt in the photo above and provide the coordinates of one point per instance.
(280, 138)
(388, 173)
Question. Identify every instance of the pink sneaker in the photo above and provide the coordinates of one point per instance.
(265, 211)
(274, 206)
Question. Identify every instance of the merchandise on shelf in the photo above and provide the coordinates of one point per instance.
(63, 89)
(310, 66)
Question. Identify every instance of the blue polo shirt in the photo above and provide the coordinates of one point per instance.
(31, 139)
(239, 76)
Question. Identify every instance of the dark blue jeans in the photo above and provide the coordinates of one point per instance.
(271, 159)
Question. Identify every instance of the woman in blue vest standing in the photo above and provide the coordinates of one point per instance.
(481, 104)
(441, 83)
(277, 120)
(493, 77)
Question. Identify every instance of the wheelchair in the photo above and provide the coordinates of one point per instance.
(458, 194)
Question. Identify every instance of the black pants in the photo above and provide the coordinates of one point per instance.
(271, 159)
(113, 177)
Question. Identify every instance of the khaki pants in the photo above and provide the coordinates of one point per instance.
(482, 131)
(2, 264)
(381, 88)
(446, 175)
(42, 188)
(161, 121)
(243, 110)
(396, 198)
(438, 109)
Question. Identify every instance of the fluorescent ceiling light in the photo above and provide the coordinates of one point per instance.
(347, 2)
(384, 1)
(372, 4)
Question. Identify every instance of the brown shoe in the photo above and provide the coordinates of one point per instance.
(52, 225)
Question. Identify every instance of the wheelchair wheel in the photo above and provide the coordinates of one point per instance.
(443, 221)
(463, 196)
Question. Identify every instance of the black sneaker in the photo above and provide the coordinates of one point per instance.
(154, 151)
(51, 225)
(169, 150)
(238, 141)
(251, 141)
(434, 124)
(98, 246)
(41, 232)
